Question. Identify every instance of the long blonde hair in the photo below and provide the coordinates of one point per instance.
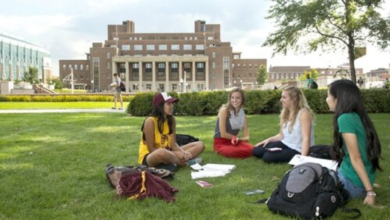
(298, 102)
(228, 105)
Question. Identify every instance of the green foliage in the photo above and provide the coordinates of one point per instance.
(313, 73)
(257, 102)
(52, 167)
(262, 75)
(316, 100)
(141, 105)
(58, 84)
(376, 100)
(62, 98)
(307, 26)
(31, 75)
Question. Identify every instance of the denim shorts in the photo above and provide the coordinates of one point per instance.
(355, 191)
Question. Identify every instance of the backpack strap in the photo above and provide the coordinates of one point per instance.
(357, 212)
(261, 201)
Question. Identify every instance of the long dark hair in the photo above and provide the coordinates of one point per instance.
(349, 100)
(158, 111)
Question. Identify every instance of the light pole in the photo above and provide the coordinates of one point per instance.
(185, 83)
(234, 83)
(241, 83)
(92, 87)
(181, 84)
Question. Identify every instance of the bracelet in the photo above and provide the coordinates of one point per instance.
(371, 193)
(370, 190)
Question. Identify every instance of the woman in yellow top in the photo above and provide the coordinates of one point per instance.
(158, 147)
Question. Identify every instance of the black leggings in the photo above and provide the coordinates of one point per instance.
(282, 156)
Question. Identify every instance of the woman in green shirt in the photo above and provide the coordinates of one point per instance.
(356, 142)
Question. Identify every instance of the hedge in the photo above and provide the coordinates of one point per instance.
(257, 102)
(62, 98)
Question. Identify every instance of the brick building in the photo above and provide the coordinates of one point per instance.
(180, 62)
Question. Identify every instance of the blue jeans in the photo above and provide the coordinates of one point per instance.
(355, 191)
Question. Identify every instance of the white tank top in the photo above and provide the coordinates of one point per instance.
(293, 140)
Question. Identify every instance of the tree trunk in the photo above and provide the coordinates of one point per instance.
(351, 52)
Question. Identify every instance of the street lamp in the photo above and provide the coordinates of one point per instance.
(241, 83)
(181, 84)
(235, 83)
(92, 87)
(185, 83)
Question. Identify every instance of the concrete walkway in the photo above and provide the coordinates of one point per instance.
(62, 111)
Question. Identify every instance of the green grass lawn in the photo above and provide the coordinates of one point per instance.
(52, 166)
(56, 105)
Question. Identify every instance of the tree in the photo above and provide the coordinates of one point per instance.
(31, 76)
(58, 84)
(306, 26)
(262, 75)
(313, 73)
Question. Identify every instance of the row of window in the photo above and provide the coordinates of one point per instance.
(76, 66)
(164, 38)
(161, 47)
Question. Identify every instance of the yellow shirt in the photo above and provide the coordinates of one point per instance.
(160, 140)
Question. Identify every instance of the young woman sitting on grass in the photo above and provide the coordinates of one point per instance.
(296, 133)
(158, 147)
(231, 119)
(356, 142)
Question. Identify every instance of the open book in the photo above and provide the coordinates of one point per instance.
(299, 159)
(211, 170)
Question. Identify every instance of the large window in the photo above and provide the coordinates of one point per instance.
(150, 47)
(125, 47)
(162, 47)
(187, 47)
(175, 47)
(200, 47)
(137, 47)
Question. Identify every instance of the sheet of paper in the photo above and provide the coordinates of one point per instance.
(214, 166)
(196, 166)
(299, 159)
(204, 174)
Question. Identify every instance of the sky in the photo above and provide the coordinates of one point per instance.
(67, 28)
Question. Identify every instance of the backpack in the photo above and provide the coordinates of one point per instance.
(114, 174)
(320, 151)
(314, 85)
(122, 87)
(183, 139)
(309, 191)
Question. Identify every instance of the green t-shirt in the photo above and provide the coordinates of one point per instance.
(351, 123)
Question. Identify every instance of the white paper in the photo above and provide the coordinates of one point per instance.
(300, 159)
(203, 174)
(211, 170)
(224, 167)
(196, 166)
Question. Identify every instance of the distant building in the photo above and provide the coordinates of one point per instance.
(16, 56)
(282, 73)
(163, 61)
(378, 73)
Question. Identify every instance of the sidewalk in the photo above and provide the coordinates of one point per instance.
(62, 111)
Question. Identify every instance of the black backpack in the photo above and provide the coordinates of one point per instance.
(183, 139)
(314, 85)
(122, 87)
(309, 191)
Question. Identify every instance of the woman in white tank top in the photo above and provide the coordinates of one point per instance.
(296, 133)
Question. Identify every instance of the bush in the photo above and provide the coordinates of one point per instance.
(257, 102)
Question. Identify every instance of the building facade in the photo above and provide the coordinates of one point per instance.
(16, 56)
(289, 73)
(163, 61)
